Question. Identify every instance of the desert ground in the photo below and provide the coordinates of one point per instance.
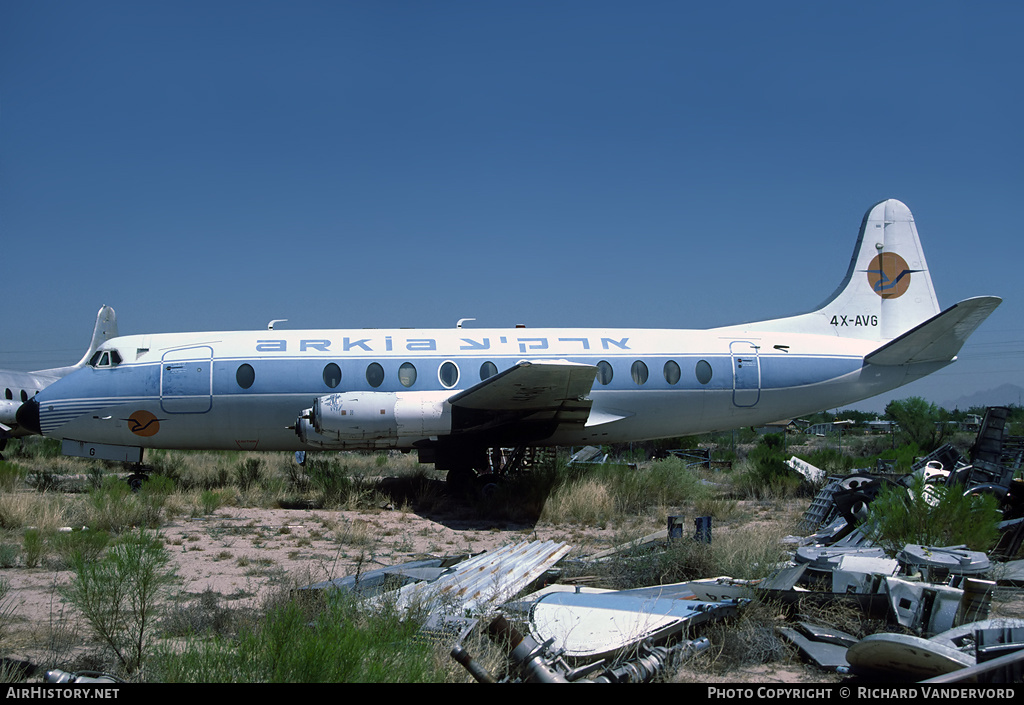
(241, 558)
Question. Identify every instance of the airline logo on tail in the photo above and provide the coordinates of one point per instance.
(889, 275)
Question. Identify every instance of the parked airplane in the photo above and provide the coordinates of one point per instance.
(452, 394)
(19, 387)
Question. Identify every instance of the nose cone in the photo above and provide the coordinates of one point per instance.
(28, 416)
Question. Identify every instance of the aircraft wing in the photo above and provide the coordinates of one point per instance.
(938, 339)
(550, 393)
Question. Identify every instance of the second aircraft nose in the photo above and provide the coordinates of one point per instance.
(28, 416)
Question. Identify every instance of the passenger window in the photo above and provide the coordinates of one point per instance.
(639, 372)
(24, 395)
(604, 372)
(672, 372)
(374, 374)
(245, 376)
(9, 394)
(703, 371)
(407, 374)
(448, 373)
(488, 369)
(332, 375)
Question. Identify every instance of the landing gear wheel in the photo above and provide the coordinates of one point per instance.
(488, 485)
(136, 481)
(460, 480)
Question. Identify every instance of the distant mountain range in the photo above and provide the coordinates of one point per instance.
(1003, 395)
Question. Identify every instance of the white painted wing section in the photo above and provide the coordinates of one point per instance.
(588, 625)
(938, 339)
(529, 386)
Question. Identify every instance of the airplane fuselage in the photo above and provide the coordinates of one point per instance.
(243, 390)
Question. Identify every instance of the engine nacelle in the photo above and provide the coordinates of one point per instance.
(374, 419)
(9, 412)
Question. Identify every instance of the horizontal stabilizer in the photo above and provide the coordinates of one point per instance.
(938, 339)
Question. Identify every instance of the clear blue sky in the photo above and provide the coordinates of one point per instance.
(215, 165)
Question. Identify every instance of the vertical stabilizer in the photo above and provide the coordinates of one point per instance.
(887, 289)
(104, 330)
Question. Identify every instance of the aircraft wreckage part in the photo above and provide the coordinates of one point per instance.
(466, 660)
(906, 655)
(544, 663)
(929, 608)
(587, 626)
(1005, 669)
(485, 580)
(524, 651)
(823, 654)
(375, 582)
(964, 636)
(827, 558)
(652, 662)
(950, 560)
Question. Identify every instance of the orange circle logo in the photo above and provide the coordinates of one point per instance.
(143, 423)
(889, 275)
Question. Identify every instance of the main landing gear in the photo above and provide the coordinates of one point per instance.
(485, 471)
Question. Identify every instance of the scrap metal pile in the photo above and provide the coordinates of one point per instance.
(935, 598)
(940, 594)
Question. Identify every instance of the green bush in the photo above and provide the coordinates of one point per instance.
(765, 473)
(113, 507)
(11, 476)
(211, 500)
(932, 515)
(34, 548)
(120, 594)
(247, 473)
(329, 479)
(86, 545)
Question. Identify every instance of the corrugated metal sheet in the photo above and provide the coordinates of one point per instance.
(486, 580)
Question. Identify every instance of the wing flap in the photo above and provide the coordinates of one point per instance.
(938, 339)
(550, 393)
(529, 386)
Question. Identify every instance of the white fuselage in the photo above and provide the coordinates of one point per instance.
(244, 390)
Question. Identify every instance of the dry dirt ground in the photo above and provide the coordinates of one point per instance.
(248, 555)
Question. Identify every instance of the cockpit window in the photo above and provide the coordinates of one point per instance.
(105, 358)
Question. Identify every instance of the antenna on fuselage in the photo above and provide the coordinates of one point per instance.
(463, 320)
(270, 326)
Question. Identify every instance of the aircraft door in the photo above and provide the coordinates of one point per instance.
(186, 380)
(746, 373)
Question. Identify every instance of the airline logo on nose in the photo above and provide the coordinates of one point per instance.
(889, 275)
(143, 423)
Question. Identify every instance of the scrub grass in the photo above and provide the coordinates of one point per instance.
(608, 494)
(322, 640)
(46, 512)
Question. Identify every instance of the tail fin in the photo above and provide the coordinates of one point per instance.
(887, 289)
(104, 330)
